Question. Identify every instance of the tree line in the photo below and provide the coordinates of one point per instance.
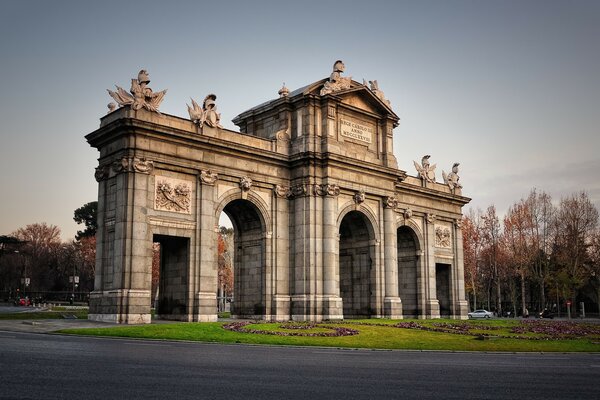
(35, 262)
(538, 256)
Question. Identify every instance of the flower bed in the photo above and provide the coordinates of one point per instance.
(558, 329)
(335, 331)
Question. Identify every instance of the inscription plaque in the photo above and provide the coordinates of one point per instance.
(356, 131)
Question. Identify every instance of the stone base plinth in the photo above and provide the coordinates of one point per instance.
(280, 308)
(207, 307)
(433, 309)
(333, 308)
(120, 306)
(462, 309)
(392, 308)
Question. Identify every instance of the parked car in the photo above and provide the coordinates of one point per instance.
(480, 314)
(23, 301)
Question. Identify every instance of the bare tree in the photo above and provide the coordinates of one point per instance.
(518, 229)
(491, 236)
(39, 253)
(576, 221)
(542, 213)
(472, 246)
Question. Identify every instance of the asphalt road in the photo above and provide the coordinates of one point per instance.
(41, 366)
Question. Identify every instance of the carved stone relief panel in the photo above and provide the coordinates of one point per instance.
(442, 237)
(174, 195)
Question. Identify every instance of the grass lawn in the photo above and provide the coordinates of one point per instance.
(381, 334)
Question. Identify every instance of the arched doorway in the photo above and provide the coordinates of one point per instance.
(248, 259)
(408, 276)
(357, 265)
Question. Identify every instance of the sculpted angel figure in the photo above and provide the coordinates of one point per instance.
(141, 95)
(336, 82)
(425, 170)
(452, 178)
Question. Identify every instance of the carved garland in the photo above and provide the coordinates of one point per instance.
(173, 197)
(442, 237)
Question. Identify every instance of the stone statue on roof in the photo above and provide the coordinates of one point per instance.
(207, 114)
(452, 178)
(141, 95)
(378, 92)
(425, 170)
(336, 82)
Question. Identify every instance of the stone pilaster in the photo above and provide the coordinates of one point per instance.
(461, 306)
(332, 302)
(206, 297)
(432, 304)
(392, 304)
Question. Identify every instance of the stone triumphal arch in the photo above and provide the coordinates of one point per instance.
(325, 224)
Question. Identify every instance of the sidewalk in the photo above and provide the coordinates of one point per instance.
(50, 325)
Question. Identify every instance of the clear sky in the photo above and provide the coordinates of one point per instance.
(510, 89)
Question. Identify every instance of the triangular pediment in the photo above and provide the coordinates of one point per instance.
(358, 96)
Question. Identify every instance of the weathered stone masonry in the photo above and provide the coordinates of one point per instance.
(326, 225)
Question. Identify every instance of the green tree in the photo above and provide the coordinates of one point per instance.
(87, 215)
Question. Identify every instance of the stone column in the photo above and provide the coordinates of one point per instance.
(281, 254)
(96, 295)
(206, 298)
(332, 302)
(392, 304)
(432, 304)
(128, 299)
(461, 306)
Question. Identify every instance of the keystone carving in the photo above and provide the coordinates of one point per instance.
(408, 213)
(359, 197)
(245, 183)
(141, 95)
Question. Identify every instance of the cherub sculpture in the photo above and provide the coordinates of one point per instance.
(452, 178)
(425, 170)
(141, 95)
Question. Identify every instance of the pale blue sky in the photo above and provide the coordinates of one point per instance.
(511, 90)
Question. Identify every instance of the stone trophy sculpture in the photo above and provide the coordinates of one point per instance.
(141, 95)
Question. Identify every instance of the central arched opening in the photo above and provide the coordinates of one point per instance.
(408, 272)
(248, 259)
(357, 272)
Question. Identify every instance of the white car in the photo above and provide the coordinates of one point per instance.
(480, 314)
